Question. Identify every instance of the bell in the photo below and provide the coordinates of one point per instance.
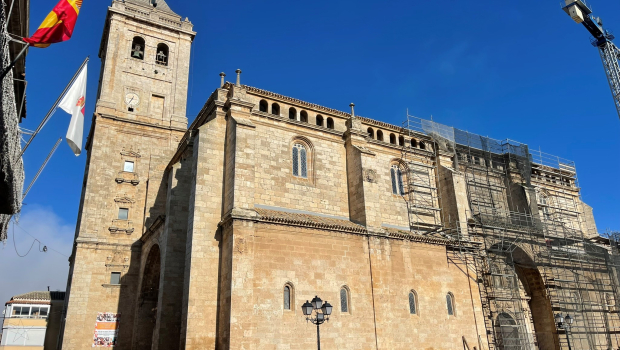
(161, 57)
(137, 53)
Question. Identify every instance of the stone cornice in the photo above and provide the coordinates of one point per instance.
(152, 17)
(322, 223)
(131, 121)
(97, 244)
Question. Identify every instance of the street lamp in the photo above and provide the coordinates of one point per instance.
(321, 314)
(565, 323)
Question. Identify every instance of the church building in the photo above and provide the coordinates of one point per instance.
(213, 235)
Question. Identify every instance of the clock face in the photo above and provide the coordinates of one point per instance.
(132, 99)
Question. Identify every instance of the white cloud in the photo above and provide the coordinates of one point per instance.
(37, 270)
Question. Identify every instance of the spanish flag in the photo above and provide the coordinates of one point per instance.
(58, 25)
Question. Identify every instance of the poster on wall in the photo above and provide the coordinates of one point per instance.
(106, 330)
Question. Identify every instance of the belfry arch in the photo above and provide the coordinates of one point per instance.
(146, 316)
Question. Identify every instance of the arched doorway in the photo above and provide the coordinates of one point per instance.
(147, 301)
(521, 310)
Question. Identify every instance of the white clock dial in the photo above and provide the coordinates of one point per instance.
(132, 99)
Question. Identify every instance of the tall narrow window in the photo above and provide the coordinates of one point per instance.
(379, 135)
(287, 298)
(422, 145)
(137, 48)
(397, 180)
(450, 304)
(275, 109)
(393, 139)
(319, 120)
(344, 300)
(263, 106)
(292, 113)
(161, 57)
(371, 133)
(330, 123)
(413, 143)
(412, 303)
(401, 141)
(303, 116)
(300, 161)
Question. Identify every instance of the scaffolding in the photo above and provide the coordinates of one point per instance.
(529, 243)
(422, 194)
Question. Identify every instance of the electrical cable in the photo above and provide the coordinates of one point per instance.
(45, 247)
(15, 245)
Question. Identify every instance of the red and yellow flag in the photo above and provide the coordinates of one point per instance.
(58, 25)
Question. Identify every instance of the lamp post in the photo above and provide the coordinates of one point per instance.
(321, 314)
(565, 323)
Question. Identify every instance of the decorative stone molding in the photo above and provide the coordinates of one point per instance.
(124, 200)
(131, 153)
(370, 175)
(126, 177)
(121, 226)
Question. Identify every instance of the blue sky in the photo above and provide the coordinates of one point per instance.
(507, 69)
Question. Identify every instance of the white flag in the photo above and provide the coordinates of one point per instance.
(73, 103)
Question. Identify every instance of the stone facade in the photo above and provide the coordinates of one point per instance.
(208, 224)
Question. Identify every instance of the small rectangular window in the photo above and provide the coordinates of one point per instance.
(123, 213)
(44, 311)
(115, 278)
(128, 166)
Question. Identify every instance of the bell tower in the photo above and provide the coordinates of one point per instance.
(138, 122)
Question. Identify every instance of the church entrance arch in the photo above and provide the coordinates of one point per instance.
(523, 317)
(147, 301)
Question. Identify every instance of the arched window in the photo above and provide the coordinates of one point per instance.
(397, 180)
(414, 143)
(379, 135)
(393, 139)
(413, 306)
(275, 109)
(422, 145)
(292, 113)
(319, 120)
(401, 141)
(263, 106)
(161, 57)
(371, 133)
(450, 304)
(303, 116)
(330, 123)
(344, 299)
(288, 296)
(300, 162)
(508, 332)
(137, 48)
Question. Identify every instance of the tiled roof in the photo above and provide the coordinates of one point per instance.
(39, 296)
(335, 224)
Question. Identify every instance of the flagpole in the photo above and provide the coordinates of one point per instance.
(41, 168)
(51, 111)
(8, 69)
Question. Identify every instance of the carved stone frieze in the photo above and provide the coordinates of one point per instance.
(370, 175)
